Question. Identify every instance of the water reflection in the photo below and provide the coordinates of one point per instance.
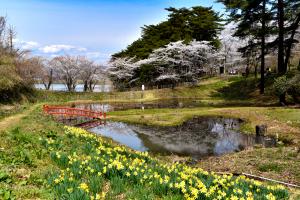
(198, 137)
(122, 133)
(170, 103)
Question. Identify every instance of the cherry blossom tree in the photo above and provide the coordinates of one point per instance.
(179, 62)
(46, 72)
(68, 70)
(90, 73)
(232, 58)
(174, 63)
(121, 71)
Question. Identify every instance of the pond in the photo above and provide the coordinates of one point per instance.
(198, 137)
(169, 103)
(79, 87)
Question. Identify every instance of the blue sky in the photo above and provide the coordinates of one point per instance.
(95, 28)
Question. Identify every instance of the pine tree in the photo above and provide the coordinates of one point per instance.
(286, 13)
(198, 23)
(253, 20)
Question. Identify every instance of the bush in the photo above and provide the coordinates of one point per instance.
(12, 87)
(294, 88)
(281, 85)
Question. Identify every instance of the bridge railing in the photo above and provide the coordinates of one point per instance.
(67, 111)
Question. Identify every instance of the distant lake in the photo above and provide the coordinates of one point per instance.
(79, 87)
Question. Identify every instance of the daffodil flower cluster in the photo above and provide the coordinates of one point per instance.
(84, 168)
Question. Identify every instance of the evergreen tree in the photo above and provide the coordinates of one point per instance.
(286, 13)
(288, 24)
(253, 18)
(198, 23)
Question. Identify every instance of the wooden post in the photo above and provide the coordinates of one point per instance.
(261, 130)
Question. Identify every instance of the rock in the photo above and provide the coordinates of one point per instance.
(261, 130)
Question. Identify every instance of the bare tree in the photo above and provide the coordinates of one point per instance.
(96, 77)
(28, 68)
(87, 70)
(2, 28)
(11, 35)
(68, 70)
(45, 72)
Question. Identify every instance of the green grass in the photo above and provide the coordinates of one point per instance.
(23, 158)
(275, 167)
(62, 97)
(26, 165)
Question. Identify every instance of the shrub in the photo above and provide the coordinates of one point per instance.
(281, 85)
(12, 87)
(294, 88)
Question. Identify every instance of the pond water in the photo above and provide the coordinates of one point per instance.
(198, 138)
(79, 87)
(170, 103)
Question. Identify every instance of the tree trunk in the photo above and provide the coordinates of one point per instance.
(69, 85)
(282, 100)
(255, 71)
(50, 80)
(85, 86)
(91, 86)
(73, 87)
(280, 14)
(280, 62)
(263, 46)
(290, 43)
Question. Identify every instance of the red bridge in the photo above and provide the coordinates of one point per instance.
(73, 112)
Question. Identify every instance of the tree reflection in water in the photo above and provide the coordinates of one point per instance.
(197, 138)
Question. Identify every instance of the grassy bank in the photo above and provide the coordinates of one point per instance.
(29, 164)
(38, 160)
(217, 91)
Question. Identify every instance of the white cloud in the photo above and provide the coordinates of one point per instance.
(56, 48)
(53, 50)
(26, 45)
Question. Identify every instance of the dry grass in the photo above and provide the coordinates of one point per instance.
(280, 163)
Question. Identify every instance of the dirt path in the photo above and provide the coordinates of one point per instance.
(14, 119)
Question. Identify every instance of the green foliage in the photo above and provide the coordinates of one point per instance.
(4, 177)
(146, 74)
(199, 23)
(281, 85)
(6, 194)
(266, 167)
